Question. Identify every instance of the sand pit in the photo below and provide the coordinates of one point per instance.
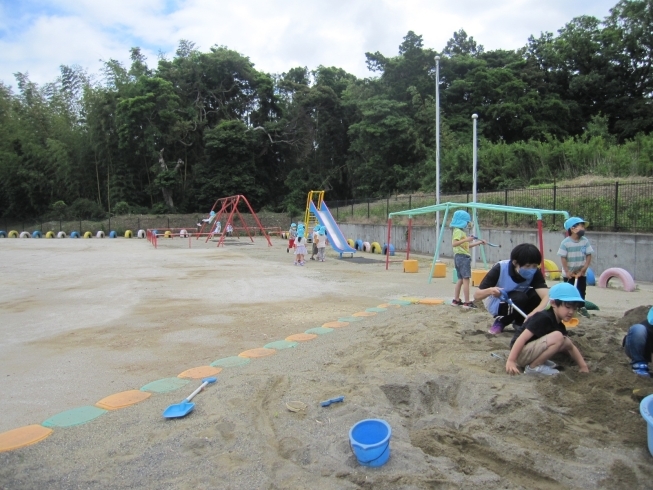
(82, 320)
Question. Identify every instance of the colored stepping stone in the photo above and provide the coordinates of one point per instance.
(258, 352)
(23, 436)
(200, 372)
(335, 324)
(280, 344)
(75, 416)
(123, 399)
(301, 337)
(364, 313)
(319, 330)
(388, 305)
(376, 310)
(400, 302)
(165, 385)
(349, 319)
(233, 361)
(431, 301)
(410, 299)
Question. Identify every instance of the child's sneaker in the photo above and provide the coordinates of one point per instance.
(497, 327)
(541, 369)
(469, 305)
(457, 302)
(551, 364)
(641, 369)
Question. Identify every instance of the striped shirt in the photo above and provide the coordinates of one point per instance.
(575, 252)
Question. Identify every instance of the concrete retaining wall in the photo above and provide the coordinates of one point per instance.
(633, 252)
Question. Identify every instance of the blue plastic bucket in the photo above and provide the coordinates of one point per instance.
(591, 278)
(370, 442)
(646, 409)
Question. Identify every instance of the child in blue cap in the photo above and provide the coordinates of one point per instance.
(576, 255)
(462, 259)
(544, 335)
(638, 344)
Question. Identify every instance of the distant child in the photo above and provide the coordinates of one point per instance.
(638, 344)
(462, 259)
(292, 234)
(300, 250)
(218, 228)
(576, 256)
(321, 243)
(316, 230)
(523, 281)
(229, 229)
(208, 220)
(544, 335)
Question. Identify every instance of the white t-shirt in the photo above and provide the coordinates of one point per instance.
(321, 241)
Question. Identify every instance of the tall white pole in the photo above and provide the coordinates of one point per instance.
(437, 147)
(474, 164)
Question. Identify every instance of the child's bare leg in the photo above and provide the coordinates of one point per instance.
(466, 289)
(456, 291)
(555, 343)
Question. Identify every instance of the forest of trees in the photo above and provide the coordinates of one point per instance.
(203, 125)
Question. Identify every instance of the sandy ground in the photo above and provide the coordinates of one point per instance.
(82, 319)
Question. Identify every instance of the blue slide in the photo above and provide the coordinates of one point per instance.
(335, 236)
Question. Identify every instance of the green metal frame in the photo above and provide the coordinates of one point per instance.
(538, 213)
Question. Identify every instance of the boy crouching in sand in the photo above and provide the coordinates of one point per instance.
(544, 335)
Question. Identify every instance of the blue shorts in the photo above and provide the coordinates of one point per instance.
(463, 265)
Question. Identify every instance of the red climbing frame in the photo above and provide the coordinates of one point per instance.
(228, 206)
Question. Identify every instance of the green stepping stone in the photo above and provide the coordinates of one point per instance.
(76, 416)
(401, 302)
(376, 310)
(165, 385)
(350, 319)
(233, 361)
(280, 344)
(319, 330)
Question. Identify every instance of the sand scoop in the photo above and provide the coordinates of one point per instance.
(185, 407)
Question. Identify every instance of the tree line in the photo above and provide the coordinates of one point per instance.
(204, 125)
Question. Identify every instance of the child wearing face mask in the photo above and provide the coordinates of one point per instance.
(576, 255)
(524, 282)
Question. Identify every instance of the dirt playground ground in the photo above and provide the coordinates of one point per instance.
(84, 319)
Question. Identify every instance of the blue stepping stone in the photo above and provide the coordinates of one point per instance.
(75, 416)
(376, 310)
(280, 344)
(350, 319)
(165, 385)
(319, 330)
(233, 361)
(401, 302)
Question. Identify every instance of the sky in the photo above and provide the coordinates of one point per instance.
(37, 36)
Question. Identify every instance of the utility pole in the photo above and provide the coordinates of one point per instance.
(437, 147)
(474, 165)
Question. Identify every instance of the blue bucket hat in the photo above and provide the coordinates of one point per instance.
(460, 219)
(571, 222)
(649, 317)
(322, 232)
(565, 292)
(212, 213)
(293, 225)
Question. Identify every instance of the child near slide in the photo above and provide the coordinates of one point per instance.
(462, 259)
(544, 335)
(292, 234)
(638, 345)
(576, 256)
(316, 230)
(300, 250)
(321, 243)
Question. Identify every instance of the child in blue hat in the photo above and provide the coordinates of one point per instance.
(576, 255)
(544, 335)
(638, 344)
(462, 259)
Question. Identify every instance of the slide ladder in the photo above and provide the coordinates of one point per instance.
(310, 219)
(336, 238)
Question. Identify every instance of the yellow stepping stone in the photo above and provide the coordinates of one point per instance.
(123, 399)
(388, 305)
(335, 324)
(200, 372)
(431, 301)
(23, 436)
(301, 337)
(412, 299)
(364, 313)
(258, 352)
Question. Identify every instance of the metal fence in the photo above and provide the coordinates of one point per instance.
(608, 207)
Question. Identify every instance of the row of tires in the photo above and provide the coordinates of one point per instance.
(62, 234)
(374, 247)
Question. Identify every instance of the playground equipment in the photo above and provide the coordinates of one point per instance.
(446, 207)
(36, 234)
(99, 234)
(621, 274)
(25, 234)
(88, 234)
(228, 206)
(335, 236)
(310, 218)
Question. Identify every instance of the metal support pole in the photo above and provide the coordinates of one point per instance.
(410, 227)
(437, 247)
(474, 165)
(541, 239)
(387, 248)
(616, 205)
(437, 145)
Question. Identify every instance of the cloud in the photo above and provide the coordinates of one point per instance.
(39, 36)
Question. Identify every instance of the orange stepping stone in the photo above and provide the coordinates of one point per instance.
(301, 337)
(431, 301)
(200, 372)
(388, 305)
(23, 436)
(364, 313)
(123, 399)
(335, 324)
(258, 352)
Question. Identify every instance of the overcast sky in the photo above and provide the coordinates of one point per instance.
(37, 36)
